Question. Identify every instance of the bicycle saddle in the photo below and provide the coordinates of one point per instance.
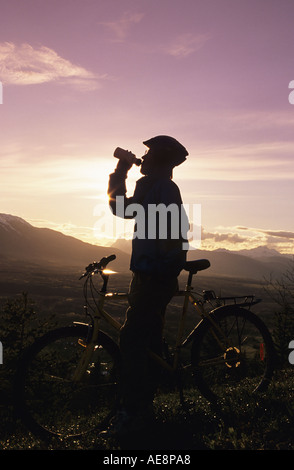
(198, 265)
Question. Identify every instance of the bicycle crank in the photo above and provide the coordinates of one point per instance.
(232, 357)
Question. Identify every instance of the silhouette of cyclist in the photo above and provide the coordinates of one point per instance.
(156, 262)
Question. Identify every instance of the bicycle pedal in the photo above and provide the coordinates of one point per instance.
(82, 343)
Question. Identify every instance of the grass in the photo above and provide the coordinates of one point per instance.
(263, 422)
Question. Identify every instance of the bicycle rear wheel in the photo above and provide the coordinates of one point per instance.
(232, 353)
(48, 400)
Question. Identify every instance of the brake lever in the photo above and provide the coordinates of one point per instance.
(88, 270)
(96, 267)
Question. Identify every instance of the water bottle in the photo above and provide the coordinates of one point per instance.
(129, 157)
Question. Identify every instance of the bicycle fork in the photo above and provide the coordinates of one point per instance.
(89, 347)
(92, 339)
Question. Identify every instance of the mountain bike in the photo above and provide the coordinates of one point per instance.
(67, 381)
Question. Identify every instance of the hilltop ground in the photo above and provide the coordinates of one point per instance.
(263, 423)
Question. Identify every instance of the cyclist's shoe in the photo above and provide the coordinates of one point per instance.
(124, 424)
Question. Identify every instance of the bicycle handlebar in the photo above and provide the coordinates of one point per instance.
(98, 266)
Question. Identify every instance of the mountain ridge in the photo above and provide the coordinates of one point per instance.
(21, 242)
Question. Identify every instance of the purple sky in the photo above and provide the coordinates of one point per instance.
(81, 77)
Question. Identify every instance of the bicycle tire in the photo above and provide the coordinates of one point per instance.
(48, 401)
(244, 364)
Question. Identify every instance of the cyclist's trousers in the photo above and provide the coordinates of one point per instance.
(143, 327)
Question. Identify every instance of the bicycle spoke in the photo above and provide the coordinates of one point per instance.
(212, 361)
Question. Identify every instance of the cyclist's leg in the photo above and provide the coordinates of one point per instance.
(143, 329)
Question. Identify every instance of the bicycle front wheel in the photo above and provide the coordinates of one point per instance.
(49, 401)
(232, 352)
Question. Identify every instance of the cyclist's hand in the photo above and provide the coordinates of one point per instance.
(123, 166)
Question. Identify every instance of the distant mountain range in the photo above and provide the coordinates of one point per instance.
(258, 252)
(256, 263)
(20, 242)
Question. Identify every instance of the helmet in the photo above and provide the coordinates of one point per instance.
(171, 151)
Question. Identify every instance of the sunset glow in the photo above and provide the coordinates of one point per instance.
(81, 78)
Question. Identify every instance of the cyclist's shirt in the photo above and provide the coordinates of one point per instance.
(159, 244)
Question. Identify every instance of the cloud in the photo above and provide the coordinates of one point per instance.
(121, 27)
(186, 44)
(26, 65)
(279, 233)
(229, 237)
(272, 233)
(66, 228)
(280, 240)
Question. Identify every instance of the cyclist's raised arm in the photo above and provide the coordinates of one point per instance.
(117, 186)
(118, 201)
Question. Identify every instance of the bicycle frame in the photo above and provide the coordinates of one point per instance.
(189, 297)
